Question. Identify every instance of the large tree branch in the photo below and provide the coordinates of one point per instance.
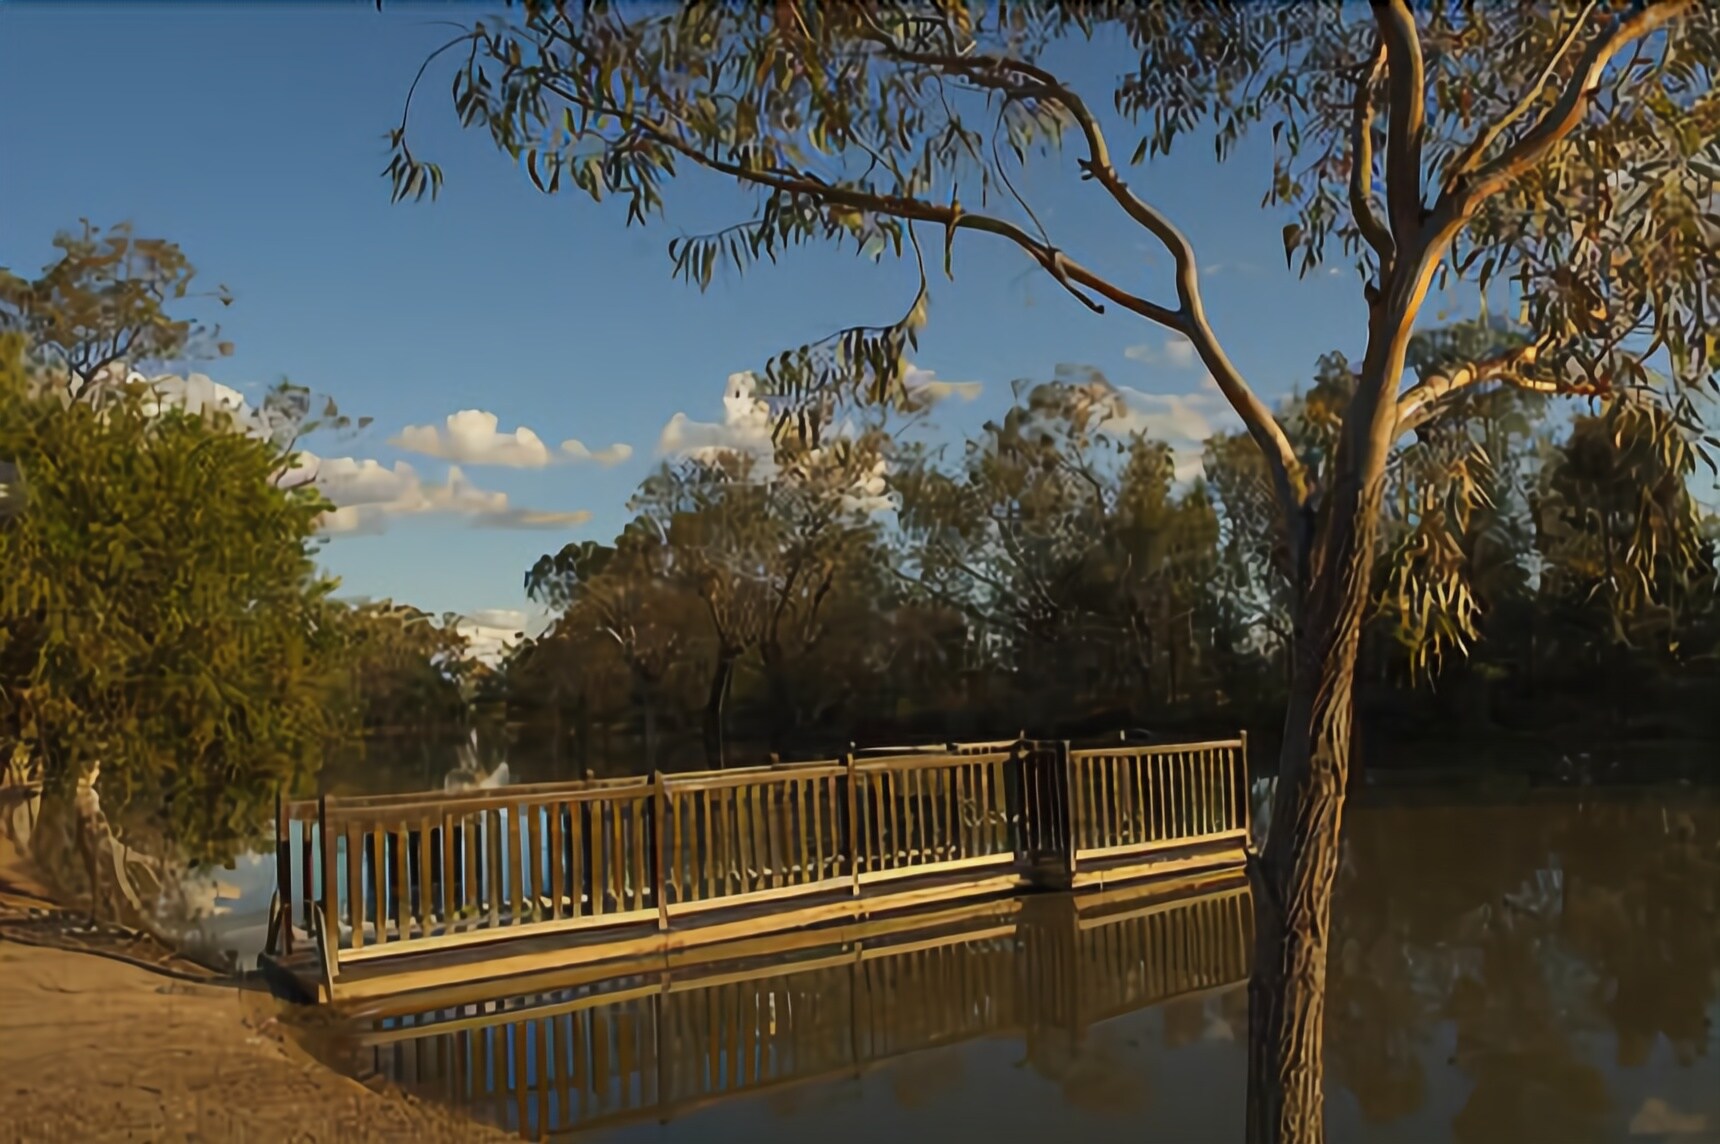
(998, 73)
(1469, 189)
(952, 216)
(1477, 150)
(1514, 367)
(1406, 117)
(1368, 221)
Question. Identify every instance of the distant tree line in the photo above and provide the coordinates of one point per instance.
(166, 636)
(1552, 578)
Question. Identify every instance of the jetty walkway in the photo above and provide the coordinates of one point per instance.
(383, 895)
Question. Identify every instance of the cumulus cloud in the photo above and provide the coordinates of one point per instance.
(1182, 421)
(745, 427)
(747, 423)
(491, 631)
(927, 383)
(367, 495)
(576, 450)
(197, 393)
(1176, 352)
(472, 437)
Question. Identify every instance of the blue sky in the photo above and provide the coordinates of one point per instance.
(253, 136)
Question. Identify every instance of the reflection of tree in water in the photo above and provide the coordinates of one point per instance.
(917, 1083)
(1093, 1069)
(1530, 931)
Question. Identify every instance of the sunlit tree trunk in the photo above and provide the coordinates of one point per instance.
(1296, 874)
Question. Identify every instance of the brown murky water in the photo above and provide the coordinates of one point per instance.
(1544, 971)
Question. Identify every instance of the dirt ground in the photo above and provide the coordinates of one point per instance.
(96, 1049)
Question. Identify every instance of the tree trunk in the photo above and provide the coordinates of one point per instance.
(1296, 874)
(721, 678)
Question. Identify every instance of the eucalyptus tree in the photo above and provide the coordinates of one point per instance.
(1563, 152)
(105, 302)
(623, 593)
(762, 541)
(1062, 529)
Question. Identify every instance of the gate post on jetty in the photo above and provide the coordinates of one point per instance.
(1046, 814)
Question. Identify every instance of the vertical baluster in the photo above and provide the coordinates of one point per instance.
(424, 877)
(402, 881)
(450, 892)
(599, 855)
(617, 853)
(643, 846)
(676, 877)
(355, 883)
(494, 883)
(556, 848)
(823, 798)
(578, 868)
(804, 792)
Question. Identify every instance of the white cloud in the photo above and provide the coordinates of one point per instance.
(367, 495)
(576, 450)
(1176, 352)
(747, 423)
(745, 428)
(199, 394)
(491, 631)
(934, 388)
(471, 437)
(1182, 421)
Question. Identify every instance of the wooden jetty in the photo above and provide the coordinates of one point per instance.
(658, 1038)
(388, 894)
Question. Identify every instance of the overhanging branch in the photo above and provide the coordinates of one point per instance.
(1368, 221)
(1469, 189)
(1018, 78)
(1514, 367)
(1406, 118)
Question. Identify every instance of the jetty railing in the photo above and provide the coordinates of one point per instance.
(1136, 799)
(386, 875)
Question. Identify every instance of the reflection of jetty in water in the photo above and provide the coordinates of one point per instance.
(654, 1040)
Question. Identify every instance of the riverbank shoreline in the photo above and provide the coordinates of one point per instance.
(97, 1049)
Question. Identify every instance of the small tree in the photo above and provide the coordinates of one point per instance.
(1565, 152)
(162, 616)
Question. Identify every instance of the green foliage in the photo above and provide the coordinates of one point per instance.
(405, 673)
(162, 615)
(1566, 157)
(1053, 572)
(104, 303)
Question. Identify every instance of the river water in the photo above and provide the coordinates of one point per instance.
(1546, 970)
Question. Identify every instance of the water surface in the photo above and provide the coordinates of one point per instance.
(1547, 970)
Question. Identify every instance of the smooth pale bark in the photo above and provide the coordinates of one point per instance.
(1296, 874)
(1298, 870)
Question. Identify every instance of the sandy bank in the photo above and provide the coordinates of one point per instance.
(94, 1049)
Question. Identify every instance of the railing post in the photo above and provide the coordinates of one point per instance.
(1047, 814)
(1065, 771)
(1245, 791)
(851, 834)
(330, 893)
(659, 817)
(284, 872)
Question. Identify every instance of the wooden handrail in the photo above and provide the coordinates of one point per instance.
(397, 874)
